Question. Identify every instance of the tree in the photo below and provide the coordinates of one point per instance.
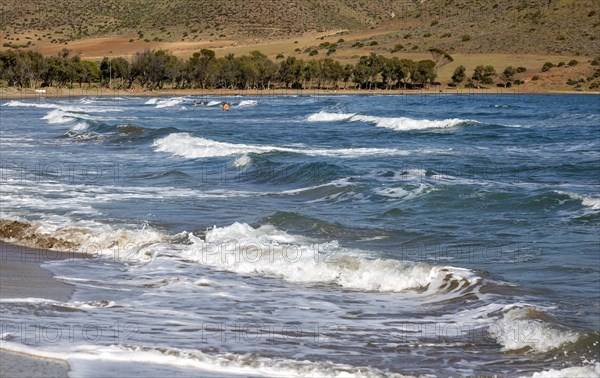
(459, 74)
(440, 57)
(483, 75)
(425, 72)
(507, 74)
(291, 71)
(347, 74)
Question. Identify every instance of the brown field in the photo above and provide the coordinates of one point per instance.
(555, 79)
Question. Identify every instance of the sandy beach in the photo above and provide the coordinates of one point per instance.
(21, 276)
(48, 93)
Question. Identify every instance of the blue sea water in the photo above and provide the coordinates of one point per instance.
(441, 235)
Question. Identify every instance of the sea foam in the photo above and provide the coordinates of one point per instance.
(394, 123)
(270, 252)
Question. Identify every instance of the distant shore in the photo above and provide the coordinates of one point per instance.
(14, 94)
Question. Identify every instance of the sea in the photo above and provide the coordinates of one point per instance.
(309, 235)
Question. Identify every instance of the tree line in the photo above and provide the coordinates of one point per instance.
(157, 69)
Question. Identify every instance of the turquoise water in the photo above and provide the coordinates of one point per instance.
(314, 235)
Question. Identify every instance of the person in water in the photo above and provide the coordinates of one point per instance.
(226, 106)
(201, 103)
(194, 103)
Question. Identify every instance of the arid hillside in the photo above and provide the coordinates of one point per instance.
(558, 27)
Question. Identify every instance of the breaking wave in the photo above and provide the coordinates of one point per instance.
(398, 123)
(191, 147)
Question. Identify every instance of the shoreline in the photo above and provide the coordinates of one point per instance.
(21, 276)
(13, 94)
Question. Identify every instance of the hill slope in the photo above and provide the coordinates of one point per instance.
(467, 26)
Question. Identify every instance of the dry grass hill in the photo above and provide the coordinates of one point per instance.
(559, 27)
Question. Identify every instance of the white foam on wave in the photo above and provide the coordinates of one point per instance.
(247, 103)
(243, 161)
(82, 126)
(83, 360)
(525, 327)
(214, 103)
(167, 103)
(62, 106)
(404, 193)
(191, 147)
(58, 116)
(394, 123)
(587, 201)
(121, 244)
(330, 117)
(270, 252)
(188, 146)
(586, 371)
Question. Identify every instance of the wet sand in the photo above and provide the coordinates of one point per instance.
(22, 277)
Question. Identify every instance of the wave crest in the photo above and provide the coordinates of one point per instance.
(394, 123)
(270, 252)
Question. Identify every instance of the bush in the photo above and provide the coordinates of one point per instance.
(427, 35)
(573, 63)
(547, 66)
(373, 43)
(560, 64)
(341, 40)
(313, 53)
(571, 82)
(535, 78)
(407, 36)
(434, 22)
(594, 62)
(521, 69)
(465, 38)
(279, 56)
(518, 82)
(397, 48)
(595, 85)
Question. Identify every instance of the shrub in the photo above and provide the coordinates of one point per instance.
(521, 69)
(560, 64)
(279, 56)
(547, 66)
(373, 43)
(573, 63)
(407, 36)
(427, 35)
(595, 85)
(313, 53)
(341, 40)
(571, 82)
(434, 22)
(397, 48)
(535, 78)
(594, 62)
(465, 38)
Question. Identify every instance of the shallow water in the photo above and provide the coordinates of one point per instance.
(311, 235)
